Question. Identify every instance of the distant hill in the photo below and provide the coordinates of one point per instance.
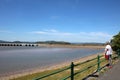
(89, 43)
(2, 41)
(53, 42)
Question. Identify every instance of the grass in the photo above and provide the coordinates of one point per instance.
(65, 73)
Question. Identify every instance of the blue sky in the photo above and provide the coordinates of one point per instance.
(60, 20)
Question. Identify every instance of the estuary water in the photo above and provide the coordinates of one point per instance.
(15, 59)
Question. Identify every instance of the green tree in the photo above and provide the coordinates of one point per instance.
(116, 42)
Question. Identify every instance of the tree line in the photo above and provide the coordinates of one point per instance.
(52, 42)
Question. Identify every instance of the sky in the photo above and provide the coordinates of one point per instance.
(59, 20)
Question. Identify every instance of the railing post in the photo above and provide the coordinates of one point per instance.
(98, 68)
(72, 71)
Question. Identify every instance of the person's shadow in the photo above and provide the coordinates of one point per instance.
(94, 74)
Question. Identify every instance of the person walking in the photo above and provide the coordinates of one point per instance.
(108, 54)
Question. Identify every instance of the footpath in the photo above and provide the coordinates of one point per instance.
(112, 74)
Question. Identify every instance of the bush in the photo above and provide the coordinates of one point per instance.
(116, 42)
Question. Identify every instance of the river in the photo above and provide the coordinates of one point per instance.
(16, 59)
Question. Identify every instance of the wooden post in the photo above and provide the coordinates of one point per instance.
(98, 68)
(72, 71)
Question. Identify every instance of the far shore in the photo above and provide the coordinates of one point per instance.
(72, 46)
(55, 45)
(37, 70)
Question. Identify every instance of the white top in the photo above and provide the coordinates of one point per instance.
(108, 50)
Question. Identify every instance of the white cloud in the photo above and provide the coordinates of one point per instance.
(99, 34)
(75, 37)
(39, 32)
(5, 31)
(52, 32)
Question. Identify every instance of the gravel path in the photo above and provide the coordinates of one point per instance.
(112, 74)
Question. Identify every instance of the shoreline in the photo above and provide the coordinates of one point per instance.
(17, 74)
(71, 46)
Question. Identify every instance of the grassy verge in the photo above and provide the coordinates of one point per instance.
(65, 73)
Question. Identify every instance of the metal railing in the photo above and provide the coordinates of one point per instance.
(99, 59)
